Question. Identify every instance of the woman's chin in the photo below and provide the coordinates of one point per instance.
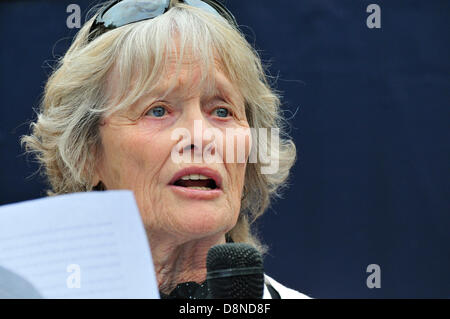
(203, 220)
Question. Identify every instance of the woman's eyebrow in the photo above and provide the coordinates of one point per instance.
(224, 88)
(221, 88)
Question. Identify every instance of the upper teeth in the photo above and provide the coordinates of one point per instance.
(194, 177)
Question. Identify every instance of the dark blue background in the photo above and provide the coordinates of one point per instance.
(371, 124)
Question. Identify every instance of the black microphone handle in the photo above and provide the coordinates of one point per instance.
(235, 271)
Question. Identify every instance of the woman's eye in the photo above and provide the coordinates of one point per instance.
(222, 112)
(158, 111)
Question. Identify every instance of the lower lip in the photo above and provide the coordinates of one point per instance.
(196, 193)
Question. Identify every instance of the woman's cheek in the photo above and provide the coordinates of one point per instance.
(152, 124)
(240, 142)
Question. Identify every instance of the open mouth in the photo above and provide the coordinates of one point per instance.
(197, 182)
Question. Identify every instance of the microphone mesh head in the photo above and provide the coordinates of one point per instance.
(235, 258)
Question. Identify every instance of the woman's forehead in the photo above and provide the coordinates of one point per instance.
(185, 77)
(192, 78)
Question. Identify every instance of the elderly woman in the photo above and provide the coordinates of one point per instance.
(137, 72)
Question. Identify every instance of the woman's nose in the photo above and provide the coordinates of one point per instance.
(201, 133)
(192, 114)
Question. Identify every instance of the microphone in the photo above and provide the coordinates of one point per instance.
(235, 271)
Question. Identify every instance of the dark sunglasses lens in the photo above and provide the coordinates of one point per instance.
(129, 11)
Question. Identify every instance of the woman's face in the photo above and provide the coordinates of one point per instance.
(139, 155)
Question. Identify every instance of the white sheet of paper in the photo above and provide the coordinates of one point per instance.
(85, 245)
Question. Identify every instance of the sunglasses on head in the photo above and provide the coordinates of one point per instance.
(123, 12)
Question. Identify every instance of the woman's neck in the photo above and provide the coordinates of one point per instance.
(177, 262)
